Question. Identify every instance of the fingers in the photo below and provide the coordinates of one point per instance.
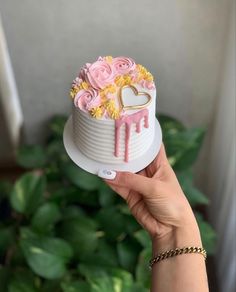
(160, 160)
(161, 157)
(138, 183)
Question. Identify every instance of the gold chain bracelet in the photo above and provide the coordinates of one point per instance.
(177, 251)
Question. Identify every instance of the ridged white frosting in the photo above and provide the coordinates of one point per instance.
(95, 138)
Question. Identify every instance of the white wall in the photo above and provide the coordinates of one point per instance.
(220, 181)
(180, 41)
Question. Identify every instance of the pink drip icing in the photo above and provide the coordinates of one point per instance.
(128, 120)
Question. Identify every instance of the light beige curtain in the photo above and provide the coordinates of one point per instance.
(9, 99)
(221, 175)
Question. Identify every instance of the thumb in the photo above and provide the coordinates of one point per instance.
(136, 182)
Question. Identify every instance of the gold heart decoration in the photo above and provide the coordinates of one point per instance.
(136, 93)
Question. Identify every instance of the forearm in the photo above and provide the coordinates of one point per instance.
(182, 273)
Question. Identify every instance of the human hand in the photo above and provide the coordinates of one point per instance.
(157, 201)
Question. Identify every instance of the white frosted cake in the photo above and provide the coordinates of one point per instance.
(113, 113)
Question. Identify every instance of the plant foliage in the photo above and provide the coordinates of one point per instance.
(64, 230)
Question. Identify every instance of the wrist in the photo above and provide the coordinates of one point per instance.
(188, 235)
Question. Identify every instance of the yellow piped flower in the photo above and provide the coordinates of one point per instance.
(74, 90)
(108, 59)
(119, 81)
(84, 85)
(112, 111)
(114, 114)
(143, 73)
(127, 79)
(110, 104)
(96, 112)
(123, 80)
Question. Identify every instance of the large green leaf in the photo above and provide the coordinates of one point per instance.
(102, 284)
(4, 277)
(47, 257)
(72, 212)
(45, 217)
(107, 196)
(105, 255)
(5, 189)
(81, 233)
(55, 149)
(74, 195)
(183, 147)
(75, 286)
(103, 278)
(51, 286)
(112, 222)
(170, 125)
(56, 125)
(6, 239)
(143, 238)
(31, 156)
(27, 193)
(142, 270)
(81, 178)
(208, 234)
(128, 251)
(194, 196)
(22, 281)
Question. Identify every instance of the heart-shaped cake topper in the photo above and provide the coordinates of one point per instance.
(136, 93)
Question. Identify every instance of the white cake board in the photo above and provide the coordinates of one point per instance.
(94, 166)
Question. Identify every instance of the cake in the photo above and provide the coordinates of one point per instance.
(113, 115)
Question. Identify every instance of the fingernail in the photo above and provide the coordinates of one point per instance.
(107, 174)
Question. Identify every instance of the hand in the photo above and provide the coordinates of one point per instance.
(156, 199)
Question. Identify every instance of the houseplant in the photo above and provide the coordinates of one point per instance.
(62, 229)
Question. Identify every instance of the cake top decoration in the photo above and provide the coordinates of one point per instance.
(98, 84)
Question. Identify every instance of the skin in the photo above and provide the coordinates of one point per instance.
(158, 203)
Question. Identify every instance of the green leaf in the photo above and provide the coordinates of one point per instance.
(170, 125)
(103, 278)
(72, 212)
(27, 193)
(194, 196)
(143, 238)
(104, 256)
(81, 178)
(75, 286)
(131, 225)
(208, 235)
(183, 148)
(4, 277)
(31, 156)
(55, 149)
(72, 194)
(128, 251)
(46, 256)
(51, 286)
(5, 189)
(112, 222)
(107, 196)
(56, 125)
(45, 217)
(142, 270)
(81, 233)
(23, 281)
(102, 284)
(6, 239)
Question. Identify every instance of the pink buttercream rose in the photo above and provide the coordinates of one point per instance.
(123, 65)
(147, 84)
(83, 71)
(99, 74)
(87, 99)
(76, 82)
